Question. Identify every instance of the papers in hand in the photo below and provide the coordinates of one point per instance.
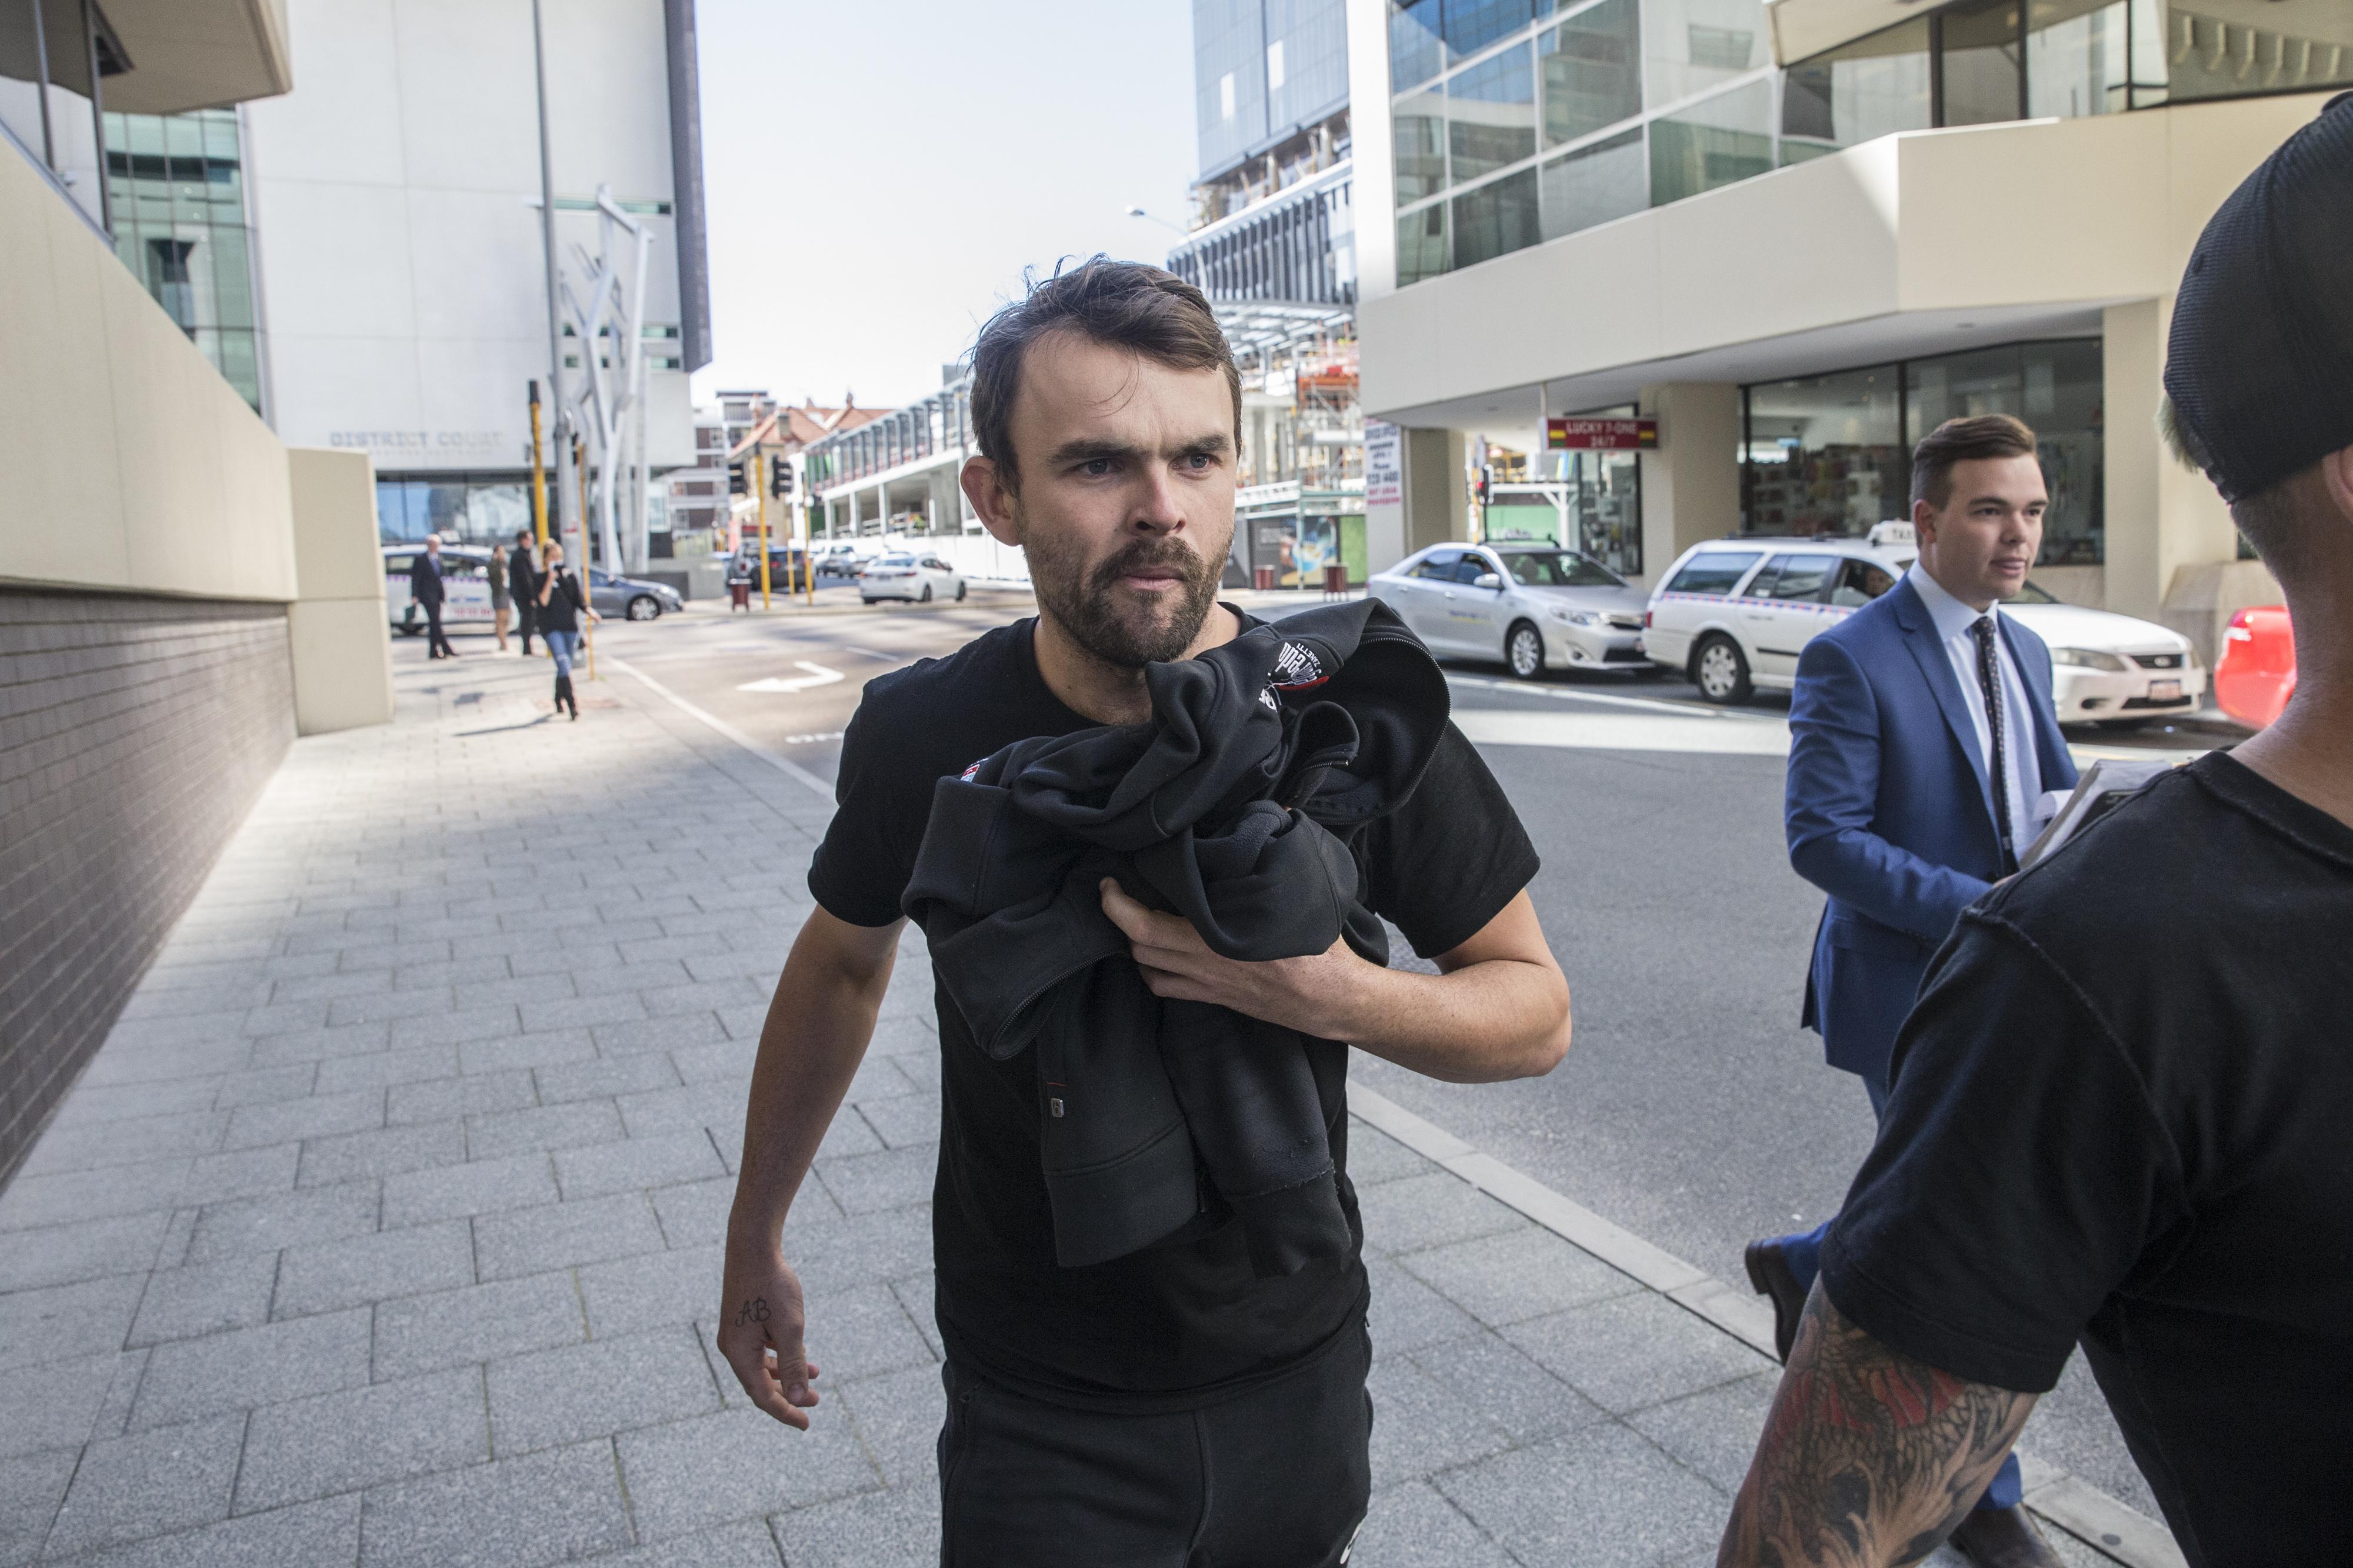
(2106, 785)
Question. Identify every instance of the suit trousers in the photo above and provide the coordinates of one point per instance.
(1803, 1254)
(1277, 1477)
(436, 643)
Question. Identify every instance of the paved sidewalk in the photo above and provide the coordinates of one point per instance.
(385, 1228)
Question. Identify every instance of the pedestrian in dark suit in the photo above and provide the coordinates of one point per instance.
(425, 587)
(1923, 744)
(523, 578)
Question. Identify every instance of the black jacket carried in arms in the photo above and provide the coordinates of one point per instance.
(1236, 805)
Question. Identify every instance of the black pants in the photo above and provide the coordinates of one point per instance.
(1277, 1478)
(436, 644)
(526, 622)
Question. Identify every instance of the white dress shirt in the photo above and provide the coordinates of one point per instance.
(2027, 808)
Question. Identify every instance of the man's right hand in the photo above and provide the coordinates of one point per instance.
(760, 1322)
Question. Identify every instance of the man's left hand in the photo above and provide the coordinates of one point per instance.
(1315, 996)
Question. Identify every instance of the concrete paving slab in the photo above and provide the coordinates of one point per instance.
(308, 1448)
(554, 1507)
(553, 1398)
(150, 1483)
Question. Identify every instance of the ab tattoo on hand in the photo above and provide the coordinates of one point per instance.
(756, 1311)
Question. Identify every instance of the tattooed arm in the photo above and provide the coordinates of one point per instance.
(1869, 1457)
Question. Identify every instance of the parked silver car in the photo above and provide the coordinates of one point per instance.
(632, 598)
(1533, 607)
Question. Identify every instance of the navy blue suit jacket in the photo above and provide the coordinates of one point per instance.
(1889, 813)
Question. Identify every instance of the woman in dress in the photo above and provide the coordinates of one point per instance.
(561, 605)
(501, 601)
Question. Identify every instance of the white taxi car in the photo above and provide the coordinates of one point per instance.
(1533, 607)
(465, 587)
(1734, 614)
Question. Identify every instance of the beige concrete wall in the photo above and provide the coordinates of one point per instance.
(131, 465)
(343, 653)
(1691, 485)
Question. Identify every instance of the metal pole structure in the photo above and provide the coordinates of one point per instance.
(538, 478)
(587, 591)
(760, 494)
(41, 68)
(562, 478)
(96, 118)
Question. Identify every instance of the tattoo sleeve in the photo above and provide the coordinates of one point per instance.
(1869, 1457)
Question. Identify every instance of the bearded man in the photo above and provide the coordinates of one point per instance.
(1176, 1405)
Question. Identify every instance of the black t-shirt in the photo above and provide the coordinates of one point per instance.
(1187, 1322)
(2123, 1111)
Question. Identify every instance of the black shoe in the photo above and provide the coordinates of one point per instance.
(1768, 1272)
(2003, 1538)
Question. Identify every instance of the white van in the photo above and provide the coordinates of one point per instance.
(465, 581)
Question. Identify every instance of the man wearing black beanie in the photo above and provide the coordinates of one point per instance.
(2121, 1105)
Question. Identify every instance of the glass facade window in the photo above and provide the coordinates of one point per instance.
(1829, 455)
(1421, 244)
(1473, 25)
(1978, 79)
(1598, 182)
(178, 185)
(463, 509)
(1592, 70)
(1869, 88)
(1491, 114)
(1689, 45)
(2229, 49)
(1415, 50)
(1419, 136)
(1718, 141)
(1496, 218)
(2077, 58)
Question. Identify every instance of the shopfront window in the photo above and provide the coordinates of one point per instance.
(1826, 455)
(2055, 388)
(1829, 455)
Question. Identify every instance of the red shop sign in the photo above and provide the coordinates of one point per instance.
(1601, 435)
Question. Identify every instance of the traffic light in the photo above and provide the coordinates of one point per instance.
(739, 483)
(780, 476)
(1487, 484)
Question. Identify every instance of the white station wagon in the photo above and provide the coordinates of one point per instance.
(1734, 614)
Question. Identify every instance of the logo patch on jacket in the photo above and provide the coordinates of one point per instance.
(1297, 668)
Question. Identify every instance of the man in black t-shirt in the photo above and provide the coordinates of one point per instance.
(2121, 1105)
(1170, 1407)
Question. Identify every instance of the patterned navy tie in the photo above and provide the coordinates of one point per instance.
(1997, 764)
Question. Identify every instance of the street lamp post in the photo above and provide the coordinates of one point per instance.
(563, 485)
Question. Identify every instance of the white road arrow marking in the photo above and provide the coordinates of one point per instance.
(818, 675)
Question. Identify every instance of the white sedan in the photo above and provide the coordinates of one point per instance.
(921, 577)
(2109, 668)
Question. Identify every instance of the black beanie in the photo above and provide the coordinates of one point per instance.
(2260, 365)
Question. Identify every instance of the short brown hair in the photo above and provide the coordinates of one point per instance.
(1123, 304)
(1958, 441)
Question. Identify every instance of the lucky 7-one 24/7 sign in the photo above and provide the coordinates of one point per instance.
(1601, 435)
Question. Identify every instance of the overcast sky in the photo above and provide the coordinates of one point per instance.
(878, 173)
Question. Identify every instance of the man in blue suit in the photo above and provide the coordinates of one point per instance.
(1923, 746)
